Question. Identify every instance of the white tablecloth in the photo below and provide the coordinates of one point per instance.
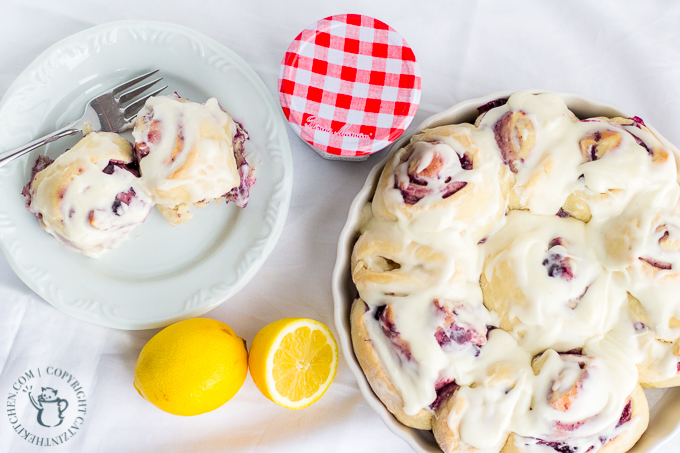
(625, 52)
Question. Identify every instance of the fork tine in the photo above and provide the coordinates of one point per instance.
(129, 83)
(131, 94)
(132, 109)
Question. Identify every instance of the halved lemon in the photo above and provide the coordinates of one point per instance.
(293, 361)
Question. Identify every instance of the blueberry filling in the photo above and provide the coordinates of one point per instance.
(456, 334)
(557, 241)
(152, 137)
(410, 199)
(657, 264)
(414, 179)
(116, 207)
(562, 213)
(637, 121)
(453, 332)
(413, 193)
(132, 167)
(557, 266)
(123, 197)
(241, 194)
(443, 393)
(593, 148)
(503, 138)
(453, 188)
(465, 162)
(389, 329)
(378, 312)
(41, 163)
(491, 105)
(418, 180)
(142, 150)
(639, 141)
(560, 447)
(627, 413)
(576, 351)
(639, 326)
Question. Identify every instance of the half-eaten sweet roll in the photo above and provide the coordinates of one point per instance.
(191, 154)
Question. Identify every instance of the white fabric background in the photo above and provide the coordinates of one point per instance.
(624, 52)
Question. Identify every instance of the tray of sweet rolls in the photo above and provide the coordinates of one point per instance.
(509, 279)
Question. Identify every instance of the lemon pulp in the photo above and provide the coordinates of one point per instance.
(293, 361)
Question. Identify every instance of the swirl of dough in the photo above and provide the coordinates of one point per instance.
(544, 281)
(621, 159)
(657, 358)
(643, 246)
(478, 418)
(535, 138)
(387, 261)
(582, 402)
(377, 375)
(421, 342)
(90, 197)
(443, 181)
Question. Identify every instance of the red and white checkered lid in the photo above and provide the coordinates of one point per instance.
(349, 86)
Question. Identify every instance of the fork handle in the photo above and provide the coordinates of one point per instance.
(9, 156)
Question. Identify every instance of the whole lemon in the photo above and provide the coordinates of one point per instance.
(192, 367)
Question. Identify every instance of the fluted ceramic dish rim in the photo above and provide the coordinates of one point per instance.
(226, 255)
(665, 414)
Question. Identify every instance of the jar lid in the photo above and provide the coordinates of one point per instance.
(349, 86)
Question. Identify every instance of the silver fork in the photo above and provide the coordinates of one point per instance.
(111, 111)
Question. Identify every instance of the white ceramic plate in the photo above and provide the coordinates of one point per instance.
(161, 274)
(664, 404)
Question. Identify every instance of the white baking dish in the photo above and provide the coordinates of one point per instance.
(664, 403)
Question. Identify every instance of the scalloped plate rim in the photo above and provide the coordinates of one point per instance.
(282, 199)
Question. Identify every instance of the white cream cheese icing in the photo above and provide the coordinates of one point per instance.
(84, 207)
(565, 290)
(187, 148)
(547, 283)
